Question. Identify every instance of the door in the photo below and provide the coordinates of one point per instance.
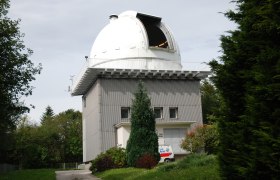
(173, 137)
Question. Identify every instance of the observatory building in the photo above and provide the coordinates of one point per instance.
(132, 47)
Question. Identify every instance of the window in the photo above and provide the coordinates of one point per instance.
(125, 112)
(158, 112)
(173, 112)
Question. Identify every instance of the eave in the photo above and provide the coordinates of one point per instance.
(89, 75)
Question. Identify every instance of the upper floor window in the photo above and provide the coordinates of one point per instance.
(125, 111)
(173, 112)
(158, 111)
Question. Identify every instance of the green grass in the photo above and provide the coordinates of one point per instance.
(30, 174)
(196, 166)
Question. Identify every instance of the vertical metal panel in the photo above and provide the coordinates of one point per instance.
(117, 93)
(173, 137)
(91, 124)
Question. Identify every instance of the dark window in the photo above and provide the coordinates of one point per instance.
(158, 112)
(125, 112)
(173, 112)
(155, 35)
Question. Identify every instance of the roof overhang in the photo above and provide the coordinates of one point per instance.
(89, 75)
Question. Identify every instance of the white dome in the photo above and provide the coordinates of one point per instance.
(135, 41)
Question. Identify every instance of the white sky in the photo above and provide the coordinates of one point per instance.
(61, 33)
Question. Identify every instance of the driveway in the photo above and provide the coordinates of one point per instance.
(75, 175)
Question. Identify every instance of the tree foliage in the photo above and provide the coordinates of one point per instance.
(47, 115)
(69, 125)
(210, 101)
(114, 157)
(143, 138)
(16, 73)
(248, 77)
(202, 138)
(57, 140)
(27, 145)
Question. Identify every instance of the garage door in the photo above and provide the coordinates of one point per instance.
(173, 137)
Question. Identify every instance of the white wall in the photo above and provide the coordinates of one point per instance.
(123, 135)
(91, 124)
(124, 131)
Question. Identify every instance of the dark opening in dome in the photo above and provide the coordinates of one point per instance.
(155, 35)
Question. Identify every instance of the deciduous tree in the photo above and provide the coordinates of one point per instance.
(69, 125)
(16, 73)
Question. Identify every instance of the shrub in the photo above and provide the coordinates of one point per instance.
(114, 157)
(118, 156)
(101, 163)
(105, 163)
(191, 161)
(202, 138)
(147, 161)
(196, 160)
(167, 167)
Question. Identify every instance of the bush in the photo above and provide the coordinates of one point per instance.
(118, 156)
(190, 161)
(147, 161)
(168, 167)
(113, 158)
(196, 160)
(202, 138)
(101, 163)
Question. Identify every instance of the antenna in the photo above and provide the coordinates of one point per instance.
(72, 78)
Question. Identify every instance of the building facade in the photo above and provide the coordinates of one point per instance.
(133, 47)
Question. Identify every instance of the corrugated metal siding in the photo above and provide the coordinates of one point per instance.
(114, 94)
(117, 93)
(174, 137)
(91, 124)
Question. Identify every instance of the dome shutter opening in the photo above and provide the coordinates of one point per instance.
(156, 36)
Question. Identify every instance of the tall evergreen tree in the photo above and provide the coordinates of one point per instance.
(248, 77)
(47, 115)
(16, 73)
(143, 138)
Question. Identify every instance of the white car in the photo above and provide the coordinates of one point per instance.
(166, 153)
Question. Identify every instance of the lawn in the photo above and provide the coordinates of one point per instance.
(197, 166)
(30, 174)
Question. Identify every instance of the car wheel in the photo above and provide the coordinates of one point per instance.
(167, 160)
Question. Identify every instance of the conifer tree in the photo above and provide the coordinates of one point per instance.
(248, 77)
(47, 115)
(143, 138)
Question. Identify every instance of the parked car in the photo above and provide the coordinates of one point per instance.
(166, 153)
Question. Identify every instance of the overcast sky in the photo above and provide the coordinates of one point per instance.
(61, 33)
